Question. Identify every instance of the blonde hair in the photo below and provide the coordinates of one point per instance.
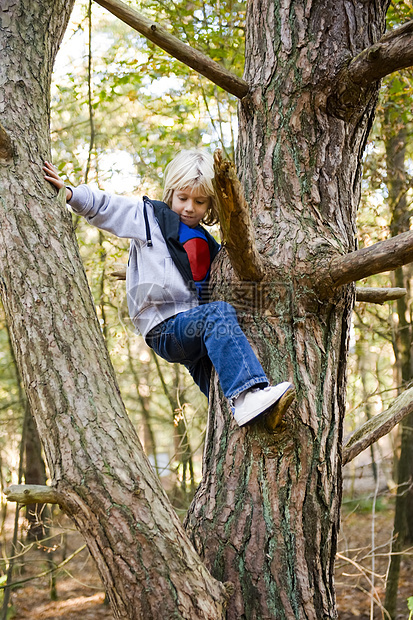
(192, 169)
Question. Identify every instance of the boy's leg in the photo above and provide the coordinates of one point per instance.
(201, 374)
(163, 341)
(212, 331)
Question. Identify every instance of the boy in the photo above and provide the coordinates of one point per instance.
(166, 282)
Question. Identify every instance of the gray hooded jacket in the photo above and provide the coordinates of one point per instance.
(158, 278)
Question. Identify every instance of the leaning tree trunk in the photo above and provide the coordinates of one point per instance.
(104, 481)
(266, 516)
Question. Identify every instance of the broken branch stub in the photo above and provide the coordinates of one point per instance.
(378, 426)
(32, 494)
(382, 256)
(394, 51)
(375, 295)
(235, 220)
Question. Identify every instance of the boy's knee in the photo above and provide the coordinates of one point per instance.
(225, 308)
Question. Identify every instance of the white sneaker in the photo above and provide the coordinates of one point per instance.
(252, 403)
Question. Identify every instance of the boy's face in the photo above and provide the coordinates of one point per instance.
(191, 205)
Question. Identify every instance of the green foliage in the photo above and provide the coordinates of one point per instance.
(11, 611)
(395, 99)
(217, 30)
(144, 103)
(365, 505)
(410, 606)
(399, 11)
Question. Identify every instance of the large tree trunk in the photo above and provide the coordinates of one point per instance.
(266, 516)
(148, 566)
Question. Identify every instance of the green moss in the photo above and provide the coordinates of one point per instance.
(365, 505)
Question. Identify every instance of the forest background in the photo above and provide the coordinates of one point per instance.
(121, 108)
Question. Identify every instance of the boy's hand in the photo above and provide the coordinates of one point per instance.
(53, 177)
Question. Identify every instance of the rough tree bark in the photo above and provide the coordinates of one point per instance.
(147, 564)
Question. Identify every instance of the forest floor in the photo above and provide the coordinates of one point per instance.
(360, 574)
(80, 594)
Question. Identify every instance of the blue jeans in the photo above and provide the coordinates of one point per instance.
(209, 335)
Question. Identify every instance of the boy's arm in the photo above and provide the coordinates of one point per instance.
(119, 215)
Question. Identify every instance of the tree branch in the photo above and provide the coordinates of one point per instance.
(235, 220)
(378, 426)
(378, 295)
(120, 273)
(394, 51)
(32, 494)
(383, 256)
(186, 54)
(6, 147)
